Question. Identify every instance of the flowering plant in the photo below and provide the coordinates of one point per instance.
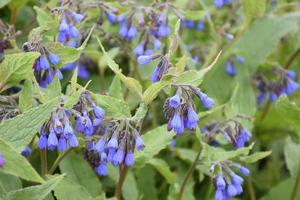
(149, 99)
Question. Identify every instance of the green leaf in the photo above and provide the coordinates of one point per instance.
(115, 89)
(254, 8)
(79, 171)
(146, 183)
(26, 98)
(132, 84)
(53, 90)
(163, 168)
(113, 52)
(140, 113)
(185, 154)
(152, 91)
(18, 131)
(67, 189)
(4, 3)
(44, 19)
(195, 14)
(155, 140)
(16, 164)
(16, 67)
(113, 106)
(212, 154)
(255, 156)
(129, 189)
(292, 156)
(38, 192)
(9, 183)
(16, 5)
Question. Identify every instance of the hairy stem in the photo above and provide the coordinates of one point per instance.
(44, 167)
(188, 175)
(58, 160)
(296, 186)
(118, 191)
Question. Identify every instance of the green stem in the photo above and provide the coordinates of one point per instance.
(296, 186)
(292, 58)
(188, 175)
(250, 188)
(58, 160)
(44, 167)
(118, 191)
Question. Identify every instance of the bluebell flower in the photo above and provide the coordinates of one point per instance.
(64, 27)
(57, 125)
(139, 50)
(52, 140)
(189, 23)
(139, 143)
(272, 96)
(112, 18)
(291, 74)
(192, 118)
(132, 31)
(144, 60)
(231, 191)
(42, 143)
(123, 30)
(27, 151)
(62, 37)
(102, 169)
(98, 111)
(177, 124)
(230, 69)
(77, 17)
(156, 44)
(118, 157)
(113, 143)
(84, 124)
(219, 195)
(218, 3)
(291, 86)
(111, 153)
(74, 33)
(148, 52)
(174, 101)
(220, 182)
(122, 18)
(243, 137)
(244, 171)
(62, 144)
(72, 140)
(236, 179)
(72, 43)
(2, 161)
(129, 159)
(100, 145)
(155, 75)
(200, 26)
(163, 30)
(54, 58)
(239, 189)
(207, 102)
(43, 62)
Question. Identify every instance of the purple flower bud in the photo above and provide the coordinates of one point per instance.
(52, 140)
(122, 18)
(230, 69)
(218, 3)
(100, 145)
(200, 26)
(27, 151)
(244, 136)
(155, 75)
(98, 111)
(112, 143)
(236, 179)
(148, 52)
(139, 143)
(62, 144)
(240, 59)
(112, 18)
(245, 171)
(189, 23)
(111, 153)
(291, 86)
(63, 27)
(174, 101)
(231, 191)
(163, 30)
(229, 36)
(139, 50)
(42, 143)
(118, 157)
(156, 44)
(129, 159)
(58, 126)
(44, 63)
(207, 102)
(219, 195)
(54, 58)
(131, 33)
(83, 72)
(221, 184)
(84, 124)
(238, 188)
(192, 118)
(123, 30)
(72, 140)
(103, 157)
(2, 161)
(77, 17)
(177, 124)
(74, 33)
(102, 169)
(291, 74)
(62, 37)
(272, 97)
(144, 60)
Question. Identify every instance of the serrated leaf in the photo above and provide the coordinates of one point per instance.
(255, 156)
(38, 192)
(155, 140)
(16, 164)
(67, 189)
(78, 171)
(115, 89)
(16, 67)
(163, 168)
(113, 106)
(26, 98)
(53, 90)
(292, 156)
(18, 131)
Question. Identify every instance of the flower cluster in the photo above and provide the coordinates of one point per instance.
(67, 30)
(230, 66)
(270, 89)
(2, 161)
(191, 24)
(231, 129)
(113, 143)
(180, 108)
(44, 66)
(227, 183)
(221, 3)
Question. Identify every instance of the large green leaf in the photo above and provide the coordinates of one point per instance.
(79, 171)
(155, 140)
(254, 8)
(129, 189)
(16, 164)
(19, 130)
(292, 156)
(26, 96)
(9, 183)
(163, 168)
(38, 192)
(16, 67)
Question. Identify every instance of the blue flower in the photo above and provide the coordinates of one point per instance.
(77, 17)
(144, 60)
(52, 140)
(291, 86)
(129, 159)
(192, 118)
(189, 23)
(272, 97)
(72, 140)
(74, 33)
(163, 30)
(219, 195)
(62, 37)
(2, 161)
(26, 151)
(63, 27)
(207, 102)
(177, 124)
(123, 30)
(58, 126)
(111, 153)
(291, 74)
(83, 73)
(118, 157)
(245, 171)
(98, 111)
(84, 124)
(155, 77)
(231, 191)
(221, 184)
(112, 18)
(200, 26)
(218, 3)
(42, 143)
(238, 188)
(139, 50)
(131, 33)
(102, 169)
(230, 69)
(148, 52)
(244, 136)
(54, 58)
(156, 44)
(122, 18)
(100, 145)
(113, 143)
(62, 144)
(139, 143)
(236, 179)
(174, 101)
(240, 59)
(44, 63)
